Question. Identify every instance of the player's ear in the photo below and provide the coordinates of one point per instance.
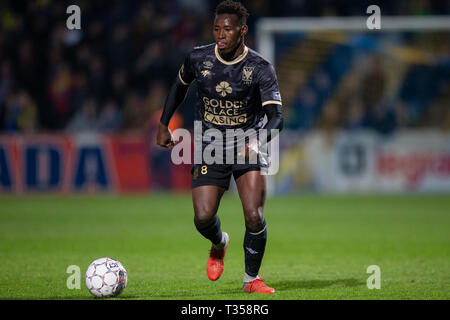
(244, 30)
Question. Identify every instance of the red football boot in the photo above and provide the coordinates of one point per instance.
(215, 264)
(258, 286)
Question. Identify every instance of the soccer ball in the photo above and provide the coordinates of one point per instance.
(106, 277)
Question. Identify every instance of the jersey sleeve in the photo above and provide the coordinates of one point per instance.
(268, 86)
(186, 73)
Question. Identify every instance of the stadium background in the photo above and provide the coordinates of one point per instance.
(78, 108)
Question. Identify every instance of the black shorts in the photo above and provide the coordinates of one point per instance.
(219, 174)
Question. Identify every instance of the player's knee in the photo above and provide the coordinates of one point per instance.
(204, 216)
(204, 211)
(254, 219)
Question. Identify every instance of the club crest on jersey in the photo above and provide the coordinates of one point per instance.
(207, 64)
(224, 88)
(247, 75)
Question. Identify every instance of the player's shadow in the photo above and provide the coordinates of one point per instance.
(286, 285)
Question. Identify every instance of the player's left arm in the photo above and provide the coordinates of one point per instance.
(274, 113)
(273, 127)
(272, 106)
(271, 102)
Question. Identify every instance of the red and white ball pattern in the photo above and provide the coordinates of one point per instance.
(106, 277)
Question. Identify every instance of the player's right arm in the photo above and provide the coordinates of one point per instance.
(175, 97)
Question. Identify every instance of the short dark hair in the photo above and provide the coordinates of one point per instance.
(233, 7)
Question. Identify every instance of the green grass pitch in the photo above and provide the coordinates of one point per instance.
(319, 246)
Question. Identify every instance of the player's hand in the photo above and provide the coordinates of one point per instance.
(164, 137)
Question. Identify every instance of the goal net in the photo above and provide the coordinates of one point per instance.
(359, 104)
(334, 71)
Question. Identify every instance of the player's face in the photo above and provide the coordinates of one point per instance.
(228, 33)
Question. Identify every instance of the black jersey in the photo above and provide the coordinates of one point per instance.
(231, 94)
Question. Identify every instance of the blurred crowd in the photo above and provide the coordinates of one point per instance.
(367, 97)
(115, 72)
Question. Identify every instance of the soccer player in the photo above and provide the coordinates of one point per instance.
(237, 88)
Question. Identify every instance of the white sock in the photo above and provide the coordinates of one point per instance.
(248, 279)
(222, 243)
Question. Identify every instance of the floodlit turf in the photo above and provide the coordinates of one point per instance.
(319, 247)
